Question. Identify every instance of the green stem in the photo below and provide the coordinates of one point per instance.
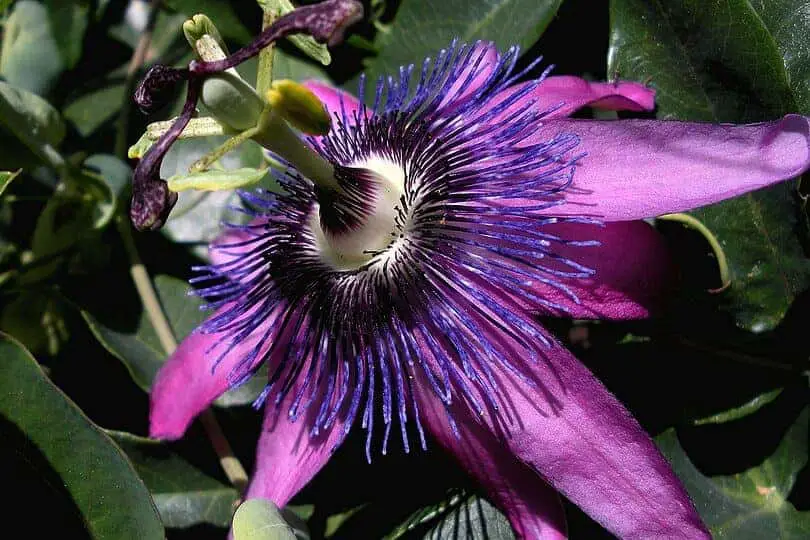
(233, 469)
(264, 75)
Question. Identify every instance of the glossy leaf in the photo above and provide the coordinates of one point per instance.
(139, 348)
(423, 27)
(726, 62)
(28, 40)
(753, 504)
(57, 438)
(183, 494)
(30, 118)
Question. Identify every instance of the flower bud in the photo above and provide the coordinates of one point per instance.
(299, 106)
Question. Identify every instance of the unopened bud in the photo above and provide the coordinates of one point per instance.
(299, 106)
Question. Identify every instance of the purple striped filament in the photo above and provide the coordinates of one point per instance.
(396, 277)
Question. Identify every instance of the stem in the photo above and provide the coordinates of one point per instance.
(264, 75)
(233, 469)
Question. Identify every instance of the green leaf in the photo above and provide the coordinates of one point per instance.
(31, 119)
(423, 27)
(260, 519)
(753, 504)
(93, 109)
(6, 178)
(183, 494)
(138, 347)
(66, 220)
(98, 480)
(221, 13)
(29, 41)
(104, 179)
(69, 20)
(730, 62)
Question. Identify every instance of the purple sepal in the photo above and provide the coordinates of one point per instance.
(157, 87)
(151, 199)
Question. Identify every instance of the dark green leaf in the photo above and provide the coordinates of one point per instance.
(138, 347)
(30, 118)
(183, 494)
(69, 20)
(461, 516)
(751, 505)
(90, 111)
(99, 481)
(221, 13)
(66, 219)
(423, 27)
(29, 41)
(726, 62)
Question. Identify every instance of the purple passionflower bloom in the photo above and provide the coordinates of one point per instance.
(461, 210)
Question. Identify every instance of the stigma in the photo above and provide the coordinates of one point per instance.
(360, 218)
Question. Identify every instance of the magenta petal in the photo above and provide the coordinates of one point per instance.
(570, 430)
(192, 378)
(228, 246)
(336, 101)
(572, 93)
(638, 169)
(287, 456)
(532, 506)
(634, 272)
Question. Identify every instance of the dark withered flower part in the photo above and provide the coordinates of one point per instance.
(326, 22)
(151, 198)
(157, 86)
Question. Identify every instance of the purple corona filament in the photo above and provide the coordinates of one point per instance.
(281, 284)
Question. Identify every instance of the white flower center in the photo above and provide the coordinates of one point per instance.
(354, 248)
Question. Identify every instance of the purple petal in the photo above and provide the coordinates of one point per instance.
(193, 377)
(573, 93)
(634, 272)
(533, 507)
(637, 169)
(573, 433)
(287, 455)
